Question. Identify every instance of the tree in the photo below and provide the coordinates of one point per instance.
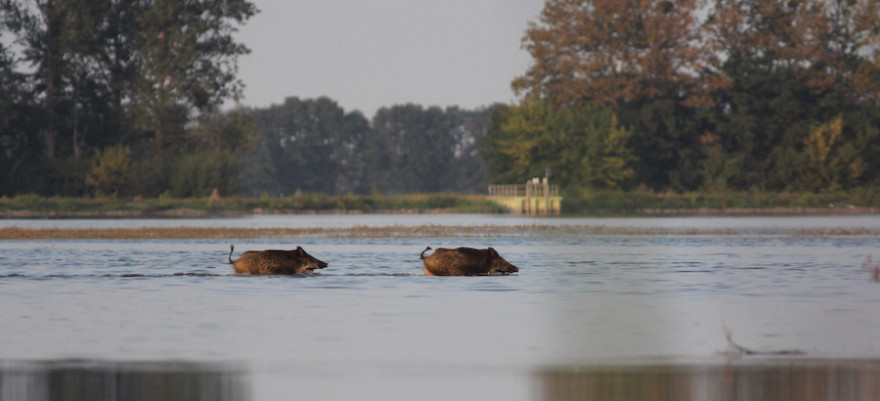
(111, 170)
(186, 59)
(412, 149)
(198, 174)
(612, 52)
(18, 114)
(468, 128)
(313, 145)
(584, 147)
(77, 73)
(642, 58)
(259, 175)
(213, 155)
(721, 94)
(792, 66)
(130, 72)
(353, 176)
(832, 45)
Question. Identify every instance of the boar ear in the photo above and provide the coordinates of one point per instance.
(300, 250)
(493, 252)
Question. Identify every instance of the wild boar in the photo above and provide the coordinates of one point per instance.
(465, 262)
(275, 261)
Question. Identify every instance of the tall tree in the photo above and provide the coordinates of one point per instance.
(125, 71)
(583, 147)
(77, 70)
(416, 147)
(314, 146)
(612, 52)
(349, 152)
(832, 45)
(468, 172)
(642, 58)
(793, 66)
(186, 60)
(17, 123)
(722, 93)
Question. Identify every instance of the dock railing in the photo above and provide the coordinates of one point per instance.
(507, 190)
(534, 197)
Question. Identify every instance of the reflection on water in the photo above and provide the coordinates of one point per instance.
(372, 326)
(774, 380)
(90, 380)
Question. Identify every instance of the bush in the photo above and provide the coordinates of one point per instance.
(111, 170)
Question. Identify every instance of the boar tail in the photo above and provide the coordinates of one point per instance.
(231, 248)
(422, 256)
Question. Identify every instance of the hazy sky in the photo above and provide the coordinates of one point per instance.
(366, 54)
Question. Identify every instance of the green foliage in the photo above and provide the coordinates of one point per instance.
(746, 103)
(93, 74)
(111, 170)
(774, 134)
(306, 145)
(65, 176)
(583, 147)
(122, 99)
(153, 173)
(313, 145)
(664, 141)
(198, 174)
(593, 202)
(307, 203)
(415, 146)
(186, 60)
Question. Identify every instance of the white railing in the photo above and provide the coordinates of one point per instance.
(528, 190)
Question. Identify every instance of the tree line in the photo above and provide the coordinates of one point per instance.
(720, 95)
(313, 145)
(124, 98)
(114, 97)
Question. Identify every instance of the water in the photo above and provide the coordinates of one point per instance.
(583, 310)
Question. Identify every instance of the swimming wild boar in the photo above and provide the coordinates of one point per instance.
(275, 261)
(465, 262)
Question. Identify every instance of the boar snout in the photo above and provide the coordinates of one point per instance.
(500, 265)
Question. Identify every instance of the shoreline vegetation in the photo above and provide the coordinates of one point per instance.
(598, 204)
(595, 204)
(395, 231)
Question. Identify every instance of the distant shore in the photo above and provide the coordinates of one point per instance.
(198, 213)
(593, 203)
(393, 231)
(759, 211)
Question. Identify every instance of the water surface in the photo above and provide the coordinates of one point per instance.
(371, 326)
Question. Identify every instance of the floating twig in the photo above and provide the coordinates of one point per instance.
(748, 351)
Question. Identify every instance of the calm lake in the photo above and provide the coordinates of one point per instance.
(617, 316)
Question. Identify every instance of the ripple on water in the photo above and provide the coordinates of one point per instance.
(574, 301)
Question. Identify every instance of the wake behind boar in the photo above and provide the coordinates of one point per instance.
(465, 262)
(275, 261)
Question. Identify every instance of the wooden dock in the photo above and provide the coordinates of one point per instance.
(535, 197)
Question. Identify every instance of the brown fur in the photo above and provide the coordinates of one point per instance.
(275, 261)
(465, 262)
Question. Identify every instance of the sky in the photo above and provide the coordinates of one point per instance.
(368, 54)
